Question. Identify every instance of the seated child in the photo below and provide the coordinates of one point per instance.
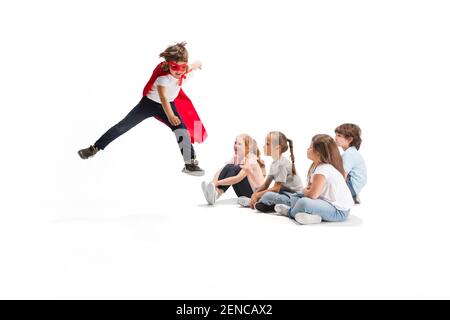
(282, 171)
(245, 172)
(348, 137)
(327, 196)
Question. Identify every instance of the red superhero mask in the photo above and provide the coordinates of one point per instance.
(177, 67)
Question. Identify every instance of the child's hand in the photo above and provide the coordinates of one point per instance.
(174, 120)
(254, 200)
(196, 65)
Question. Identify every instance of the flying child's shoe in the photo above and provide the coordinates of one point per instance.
(88, 152)
(193, 169)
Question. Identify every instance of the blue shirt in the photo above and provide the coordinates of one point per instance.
(355, 167)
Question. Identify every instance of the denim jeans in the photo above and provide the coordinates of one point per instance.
(242, 188)
(326, 210)
(350, 186)
(271, 198)
(147, 108)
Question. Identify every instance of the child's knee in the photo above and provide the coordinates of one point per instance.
(302, 204)
(269, 197)
(231, 166)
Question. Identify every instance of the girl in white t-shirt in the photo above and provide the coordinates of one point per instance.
(327, 196)
(282, 172)
(244, 172)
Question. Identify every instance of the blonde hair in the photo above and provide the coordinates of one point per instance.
(251, 146)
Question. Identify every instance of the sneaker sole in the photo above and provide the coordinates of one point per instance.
(204, 184)
(306, 218)
(81, 156)
(210, 191)
(194, 173)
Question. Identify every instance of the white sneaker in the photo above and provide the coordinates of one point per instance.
(282, 209)
(204, 184)
(244, 201)
(306, 218)
(210, 193)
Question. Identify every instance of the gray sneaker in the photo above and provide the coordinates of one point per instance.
(88, 152)
(282, 209)
(244, 201)
(204, 184)
(306, 218)
(211, 193)
(193, 169)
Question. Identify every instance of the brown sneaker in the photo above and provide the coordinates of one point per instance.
(88, 152)
(193, 169)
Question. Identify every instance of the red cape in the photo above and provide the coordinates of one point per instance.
(184, 107)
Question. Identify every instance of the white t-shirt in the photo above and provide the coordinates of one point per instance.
(335, 190)
(281, 171)
(171, 84)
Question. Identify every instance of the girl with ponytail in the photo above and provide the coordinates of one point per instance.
(244, 172)
(282, 172)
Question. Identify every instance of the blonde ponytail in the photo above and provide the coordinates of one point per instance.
(261, 163)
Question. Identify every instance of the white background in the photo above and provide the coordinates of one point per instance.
(129, 224)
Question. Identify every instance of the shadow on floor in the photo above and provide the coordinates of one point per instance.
(224, 202)
(352, 221)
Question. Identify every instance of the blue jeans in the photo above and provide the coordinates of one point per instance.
(326, 210)
(271, 198)
(350, 186)
(147, 108)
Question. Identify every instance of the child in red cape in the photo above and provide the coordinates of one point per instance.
(164, 99)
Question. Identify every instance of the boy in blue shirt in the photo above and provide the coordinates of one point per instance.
(348, 137)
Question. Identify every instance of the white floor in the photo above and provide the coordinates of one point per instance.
(128, 224)
(93, 243)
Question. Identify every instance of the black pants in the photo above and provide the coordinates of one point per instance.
(147, 108)
(242, 188)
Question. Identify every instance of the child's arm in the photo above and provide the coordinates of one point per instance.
(263, 189)
(173, 119)
(265, 185)
(315, 188)
(232, 180)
